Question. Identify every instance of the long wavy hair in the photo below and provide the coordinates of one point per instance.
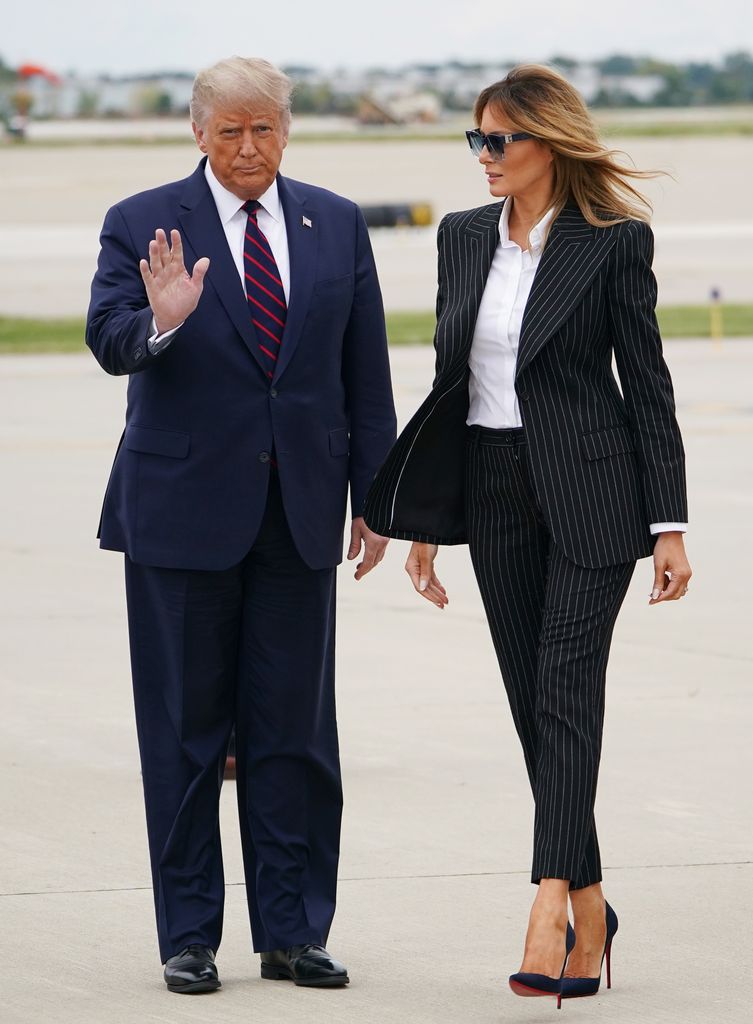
(538, 100)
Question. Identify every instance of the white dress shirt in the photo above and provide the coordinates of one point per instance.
(494, 349)
(271, 221)
(270, 218)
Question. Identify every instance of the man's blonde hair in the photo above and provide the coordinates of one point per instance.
(241, 83)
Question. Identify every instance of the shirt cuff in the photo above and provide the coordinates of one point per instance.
(668, 528)
(156, 342)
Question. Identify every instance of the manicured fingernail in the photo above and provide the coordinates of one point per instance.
(655, 593)
(423, 584)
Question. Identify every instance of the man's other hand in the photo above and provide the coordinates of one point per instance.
(374, 547)
(172, 292)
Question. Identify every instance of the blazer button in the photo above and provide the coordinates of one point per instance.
(263, 456)
(522, 394)
(138, 353)
(273, 393)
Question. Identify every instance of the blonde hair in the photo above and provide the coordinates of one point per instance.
(538, 100)
(242, 83)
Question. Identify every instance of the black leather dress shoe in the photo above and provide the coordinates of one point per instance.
(192, 971)
(305, 965)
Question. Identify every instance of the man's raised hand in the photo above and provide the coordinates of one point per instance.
(173, 293)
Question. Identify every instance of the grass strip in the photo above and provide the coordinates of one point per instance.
(674, 321)
(24, 335)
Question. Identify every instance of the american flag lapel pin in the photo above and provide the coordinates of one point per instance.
(306, 222)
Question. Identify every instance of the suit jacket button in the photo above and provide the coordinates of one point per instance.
(138, 353)
(523, 394)
(273, 393)
(263, 456)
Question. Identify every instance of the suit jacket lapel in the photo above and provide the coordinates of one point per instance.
(572, 255)
(478, 239)
(301, 226)
(201, 224)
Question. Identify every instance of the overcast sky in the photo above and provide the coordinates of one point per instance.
(143, 35)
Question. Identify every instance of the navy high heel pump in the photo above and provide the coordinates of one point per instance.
(525, 984)
(572, 988)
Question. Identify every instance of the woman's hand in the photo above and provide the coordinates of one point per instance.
(671, 568)
(420, 568)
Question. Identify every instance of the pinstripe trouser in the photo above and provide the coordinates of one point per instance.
(551, 623)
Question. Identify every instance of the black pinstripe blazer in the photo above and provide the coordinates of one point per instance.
(605, 463)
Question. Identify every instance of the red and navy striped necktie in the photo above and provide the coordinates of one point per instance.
(264, 291)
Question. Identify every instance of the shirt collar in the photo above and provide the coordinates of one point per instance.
(228, 204)
(536, 235)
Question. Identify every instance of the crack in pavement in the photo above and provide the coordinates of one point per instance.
(396, 878)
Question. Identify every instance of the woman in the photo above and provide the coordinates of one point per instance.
(527, 450)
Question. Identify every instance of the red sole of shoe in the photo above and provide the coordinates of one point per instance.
(525, 990)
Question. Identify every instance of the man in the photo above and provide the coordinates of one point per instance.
(259, 392)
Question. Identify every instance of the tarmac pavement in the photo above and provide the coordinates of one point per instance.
(434, 889)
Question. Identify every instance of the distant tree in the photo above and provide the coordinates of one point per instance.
(734, 82)
(150, 100)
(652, 66)
(700, 77)
(7, 74)
(618, 64)
(299, 70)
(459, 65)
(313, 99)
(676, 91)
(738, 63)
(164, 104)
(87, 104)
(568, 64)
(614, 98)
(322, 99)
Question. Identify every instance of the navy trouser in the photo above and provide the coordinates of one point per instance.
(253, 646)
(551, 622)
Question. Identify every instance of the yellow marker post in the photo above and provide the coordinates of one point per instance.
(716, 317)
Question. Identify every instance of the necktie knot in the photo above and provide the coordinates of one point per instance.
(251, 206)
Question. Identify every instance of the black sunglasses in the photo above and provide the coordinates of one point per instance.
(494, 142)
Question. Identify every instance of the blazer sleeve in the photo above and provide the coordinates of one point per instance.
(366, 375)
(119, 320)
(644, 376)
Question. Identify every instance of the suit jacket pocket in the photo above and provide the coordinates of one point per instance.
(331, 284)
(339, 442)
(153, 441)
(600, 444)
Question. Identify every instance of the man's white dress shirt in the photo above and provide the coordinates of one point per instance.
(271, 221)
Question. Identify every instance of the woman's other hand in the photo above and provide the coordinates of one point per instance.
(671, 568)
(420, 568)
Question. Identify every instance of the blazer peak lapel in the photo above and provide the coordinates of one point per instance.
(485, 221)
(482, 231)
(201, 225)
(572, 256)
(303, 244)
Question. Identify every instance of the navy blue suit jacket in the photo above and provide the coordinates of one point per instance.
(189, 484)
